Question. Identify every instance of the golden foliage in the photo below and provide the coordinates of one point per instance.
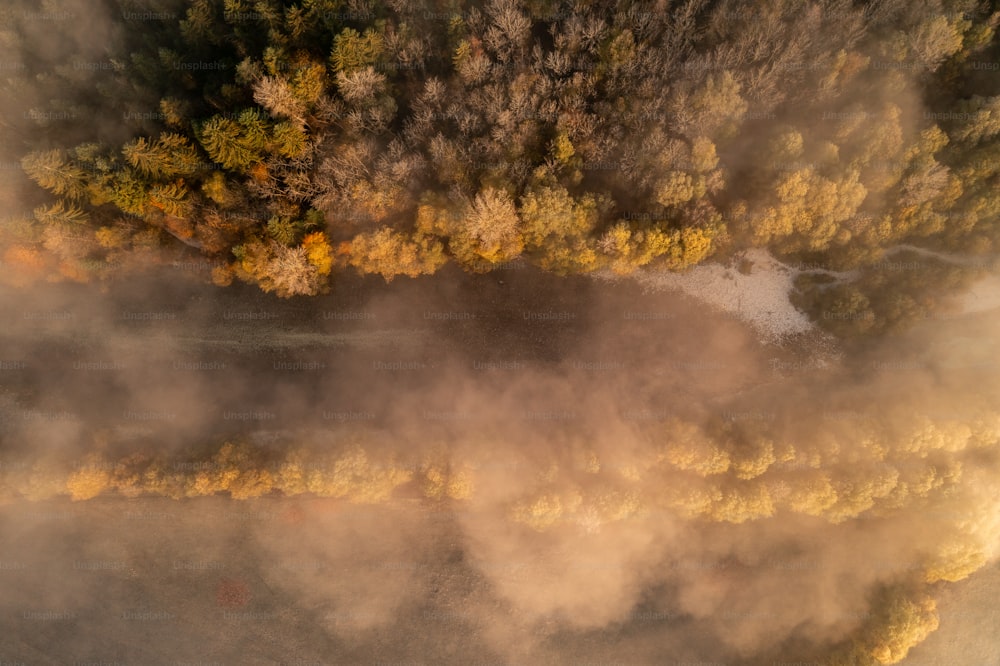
(434, 483)
(695, 245)
(562, 148)
(674, 189)
(614, 505)
(216, 189)
(279, 268)
(90, 480)
(703, 156)
(753, 459)
(742, 502)
(440, 481)
(390, 253)
(540, 513)
(691, 497)
(156, 480)
(859, 488)
(111, 237)
(901, 620)
(557, 229)
(127, 477)
(809, 492)
(954, 561)
(689, 449)
(353, 50)
(460, 485)
(811, 207)
(222, 276)
(290, 475)
(358, 479)
(318, 252)
(716, 108)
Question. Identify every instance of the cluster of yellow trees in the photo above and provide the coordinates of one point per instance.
(833, 476)
(721, 474)
(901, 616)
(548, 225)
(242, 472)
(692, 473)
(397, 142)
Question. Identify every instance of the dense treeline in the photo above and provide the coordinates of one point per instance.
(736, 469)
(289, 140)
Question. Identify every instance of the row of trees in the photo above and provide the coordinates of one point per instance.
(238, 469)
(727, 470)
(730, 471)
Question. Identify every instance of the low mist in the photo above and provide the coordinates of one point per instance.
(539, 517)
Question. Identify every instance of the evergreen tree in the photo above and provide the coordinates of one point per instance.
(60, 213)
(53, 171)
(227, 143)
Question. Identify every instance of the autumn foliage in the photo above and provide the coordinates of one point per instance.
(578, 137)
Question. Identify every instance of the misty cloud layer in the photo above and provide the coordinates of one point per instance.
(520, 468)
(527, 409)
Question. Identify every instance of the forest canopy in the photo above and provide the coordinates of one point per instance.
(290, 141)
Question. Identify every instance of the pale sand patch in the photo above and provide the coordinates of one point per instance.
(759, 298)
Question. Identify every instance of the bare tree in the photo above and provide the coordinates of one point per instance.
(493, 220)
(275, 95)
(361, 86)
